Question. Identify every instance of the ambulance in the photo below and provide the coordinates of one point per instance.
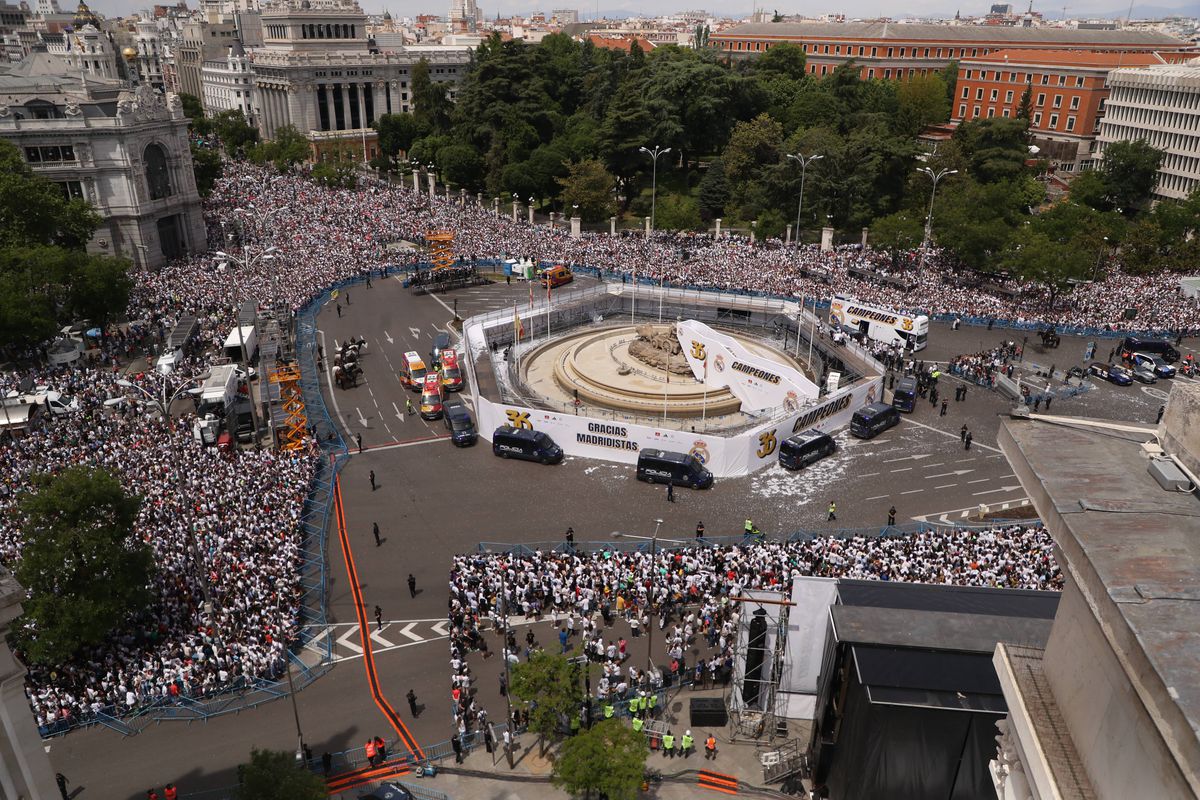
(452, 377)
(412, 371)
(431, 397)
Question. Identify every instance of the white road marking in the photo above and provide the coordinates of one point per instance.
(878, 497)
(344, 640)
(361, 419)
(949, 434)
(376, 637)
(389, 338)
(397, 445)
(416, 332)
(407, 630)
(996, 491)
(332, 387)
(867, 474)
(907, 458)
(902, 469)
(442, 628)
(955, 473)
(913, 491)
(931, 466)
(945, 486)
(399, 415)
(979, 480)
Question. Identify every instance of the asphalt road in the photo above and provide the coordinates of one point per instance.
(433, 500)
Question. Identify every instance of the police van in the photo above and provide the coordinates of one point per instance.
(1158, 347)
(805, 448)
(904, 396)
(510, 442)
(872, 420)
(680, 469)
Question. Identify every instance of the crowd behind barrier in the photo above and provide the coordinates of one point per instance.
(239, 526)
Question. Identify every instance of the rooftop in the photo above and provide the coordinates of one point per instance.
(1131, 546)
(1066, 58)
(941, 33)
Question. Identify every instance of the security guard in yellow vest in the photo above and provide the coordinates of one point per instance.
(637, 724)
(749, 527)
(635, 704)
(669, 744)
(652, 701)
(609, 710)
(686, 744)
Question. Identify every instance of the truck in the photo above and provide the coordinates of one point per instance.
(234, 342)
(218, 392)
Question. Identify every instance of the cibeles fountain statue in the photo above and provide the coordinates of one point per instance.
(657, 346)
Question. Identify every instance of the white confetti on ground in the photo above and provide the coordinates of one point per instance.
(800, 486)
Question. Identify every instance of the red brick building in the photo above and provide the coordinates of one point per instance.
(901, 50)
(1067, 93)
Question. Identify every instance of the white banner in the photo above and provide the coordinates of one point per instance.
(757, 381)
(834, 411)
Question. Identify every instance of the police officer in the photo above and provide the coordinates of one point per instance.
(832, 512)
(686, 744)
(700, 530)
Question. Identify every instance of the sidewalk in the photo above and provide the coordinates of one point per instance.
(484, 776)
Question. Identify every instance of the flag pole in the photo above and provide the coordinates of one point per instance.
(704, 402)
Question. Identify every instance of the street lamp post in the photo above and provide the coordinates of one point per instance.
(266, 254)
(934, 176)
(1099, 259)
(503, 608)
(653, 540)
(803, 161)
(654, 154)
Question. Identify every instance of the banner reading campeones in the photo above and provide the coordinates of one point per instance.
(759, 382)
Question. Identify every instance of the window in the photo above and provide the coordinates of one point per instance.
(1079, 81)
(966, 92)
(995, 94)
(1053, 121)
(50, 154)
(1062, 80)
(979, 94)
(991, 112)
(1006, 113)
(1058, 101)
(158, 174)
(1037, 119)
(72, 190)
(962, 110)
(1041, 99)
(975, 111)
(1008, 97)
(968, 74)
(891, 50)
(1045, 80)
(1070, 123)
(1075, 103)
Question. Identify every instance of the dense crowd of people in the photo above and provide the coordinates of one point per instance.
(601, 597)
(982, 367)
(224, 527)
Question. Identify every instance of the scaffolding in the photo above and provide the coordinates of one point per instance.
(285, 377)
(753, 697)
(441, 249)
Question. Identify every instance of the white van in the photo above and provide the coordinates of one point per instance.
(51, 401)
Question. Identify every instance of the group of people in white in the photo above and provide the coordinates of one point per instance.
(225, 527)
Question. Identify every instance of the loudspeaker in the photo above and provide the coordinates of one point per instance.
(755, 653)
(708, 712)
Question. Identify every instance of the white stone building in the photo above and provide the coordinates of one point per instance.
(149, 54)
(123, 150)
(229, 83)
(1160, 104)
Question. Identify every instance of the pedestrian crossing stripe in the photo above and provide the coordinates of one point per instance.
(718, 781)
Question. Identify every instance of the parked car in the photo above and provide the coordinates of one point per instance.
(1111, 373)
(1143, 373)
(1156, 363)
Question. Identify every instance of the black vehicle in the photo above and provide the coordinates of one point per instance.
(388, 791)
(440, 342)
(461, 426)
(680, 469)
(872, 420)
(805, 448)
(530, 445)
(1158, 347)
(241, 420)
(904, 396)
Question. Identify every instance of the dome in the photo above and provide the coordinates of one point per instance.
(387, 15)
(84, 16)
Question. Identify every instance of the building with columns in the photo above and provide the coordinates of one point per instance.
(124, 150)
(317, 70)
(149, 53)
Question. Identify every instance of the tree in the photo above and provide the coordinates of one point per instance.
(462, 166)
(431, 104)
(590, 186)
(609, 760)
(996, 148)
(33, 211)
(1025, 109)
(397, 132)
(783, 59)
(550, 685)
(903, 230)
(84, 573)
(289, 148)
(677, 212)
(338, 168)
(207, 167)
(752, 145)
(1058, 246)
(235, 133)
(98, 287)
(626, 127)
(273, 775)
(192, 107)
(714, 191)
(921, 101)
(1130, 171)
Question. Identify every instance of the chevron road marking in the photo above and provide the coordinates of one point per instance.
(344, 640)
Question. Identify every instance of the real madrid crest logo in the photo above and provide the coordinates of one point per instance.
(700, 449)
(791, 402)
(719, 362)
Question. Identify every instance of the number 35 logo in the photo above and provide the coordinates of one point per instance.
(698, 351)
(518, 419)
(767, 444)
(908, 325)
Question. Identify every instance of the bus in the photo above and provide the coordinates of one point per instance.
(880, 324)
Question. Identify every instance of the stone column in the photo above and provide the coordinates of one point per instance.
(416, 180)
(575, 233)
(338, 100)
(753, 228)
(718, 233)
(531, 213)
(514, 210)
(647, 227)
(432, 184)
(479, 199)
(462, 198)
(826, 239)
(612, 226)
(496, 206)
(362, 90)
(864, 239)
(788, 240)
(447, 192)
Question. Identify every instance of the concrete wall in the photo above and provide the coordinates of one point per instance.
(1122, 750)
(1180, 426)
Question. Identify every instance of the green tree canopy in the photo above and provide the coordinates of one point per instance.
(903, 230)
(34, 211)
(783, 59)
(207, 167)
(235, 133)
(289, 148)
(590, 186)
(996, 148)
(677, 212)
(608, 760)
(273, 775)
(549, 684)
(714, 191)
(397, 132)
(83, 571)
(1126, 178)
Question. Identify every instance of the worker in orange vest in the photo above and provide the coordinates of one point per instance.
(371, 752)
(380, 749)
(170, 792)
(710, 748)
